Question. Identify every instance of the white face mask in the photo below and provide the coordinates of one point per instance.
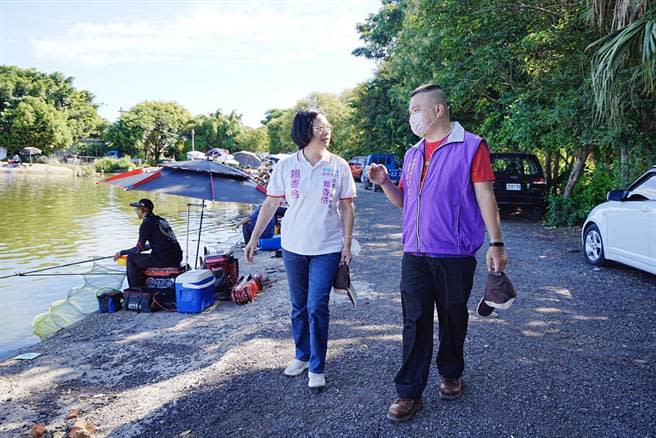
(417, 124)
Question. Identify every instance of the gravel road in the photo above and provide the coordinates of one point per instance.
(574, 356)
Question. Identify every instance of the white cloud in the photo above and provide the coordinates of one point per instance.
(244, 32)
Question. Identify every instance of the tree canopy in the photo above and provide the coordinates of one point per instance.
(520, 75)
(44, 110)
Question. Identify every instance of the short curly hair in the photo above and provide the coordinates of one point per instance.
(302, 127)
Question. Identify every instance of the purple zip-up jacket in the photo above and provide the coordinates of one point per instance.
(442, 215)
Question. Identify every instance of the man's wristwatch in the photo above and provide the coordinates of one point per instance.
(496, 244)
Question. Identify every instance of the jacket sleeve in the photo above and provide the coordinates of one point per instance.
(143, 242)
(135, 250)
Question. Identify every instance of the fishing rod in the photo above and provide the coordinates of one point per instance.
(24, 274)
(34, 273)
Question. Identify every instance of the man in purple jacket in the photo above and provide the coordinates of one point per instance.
(448, 202)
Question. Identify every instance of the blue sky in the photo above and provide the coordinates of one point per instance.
(244, 55)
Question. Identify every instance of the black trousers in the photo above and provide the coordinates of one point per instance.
(137, 262)
(427, 282)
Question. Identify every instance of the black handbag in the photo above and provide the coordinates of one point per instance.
(139, 300)
(223, 284)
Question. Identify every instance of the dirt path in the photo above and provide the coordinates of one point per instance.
(573, 356)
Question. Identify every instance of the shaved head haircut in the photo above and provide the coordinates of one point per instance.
(434, 92)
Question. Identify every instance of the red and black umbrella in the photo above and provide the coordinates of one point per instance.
(200, 179)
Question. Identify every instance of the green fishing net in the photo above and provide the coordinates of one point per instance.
(80, 301)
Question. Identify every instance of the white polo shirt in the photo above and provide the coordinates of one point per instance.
(313, 222)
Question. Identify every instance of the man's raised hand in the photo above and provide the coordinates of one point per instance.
(377, 174)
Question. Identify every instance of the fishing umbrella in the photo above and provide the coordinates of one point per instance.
(199, 179)
(248, 159)
(29, 151)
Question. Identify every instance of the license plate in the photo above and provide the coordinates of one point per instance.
(514, 187)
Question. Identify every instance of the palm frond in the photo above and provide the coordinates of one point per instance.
(624, 63)
(616, 14)
(649, 54)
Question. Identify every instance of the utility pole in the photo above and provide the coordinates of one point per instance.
(192, 140)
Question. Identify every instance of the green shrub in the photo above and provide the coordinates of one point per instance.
(113, 165)
(85, 170)
(590, 190)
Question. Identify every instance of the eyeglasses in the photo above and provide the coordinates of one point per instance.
(322, 128)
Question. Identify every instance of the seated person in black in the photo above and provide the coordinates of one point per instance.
(154, 233)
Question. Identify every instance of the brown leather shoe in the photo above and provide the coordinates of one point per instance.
(403, 409)
(450, 389)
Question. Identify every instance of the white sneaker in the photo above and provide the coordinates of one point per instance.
(296, 367)
(316, 380)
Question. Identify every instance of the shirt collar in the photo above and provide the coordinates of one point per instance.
(457, 134)
(325, 157)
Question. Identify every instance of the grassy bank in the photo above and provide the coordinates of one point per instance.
(52, 166)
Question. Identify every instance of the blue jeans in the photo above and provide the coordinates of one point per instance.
(310, 280)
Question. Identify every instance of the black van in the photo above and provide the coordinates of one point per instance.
(520, 182)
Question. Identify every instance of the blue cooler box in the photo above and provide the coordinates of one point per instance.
(271, 244)
(194, 291)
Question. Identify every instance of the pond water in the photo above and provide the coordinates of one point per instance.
(48, 221)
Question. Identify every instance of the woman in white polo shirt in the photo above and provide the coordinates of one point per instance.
(316, 235)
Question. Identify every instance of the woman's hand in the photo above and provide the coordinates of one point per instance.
(117, 255)
(249, 251)
(346, 257)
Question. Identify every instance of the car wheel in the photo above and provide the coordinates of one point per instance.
(365, 183)
(593, 246)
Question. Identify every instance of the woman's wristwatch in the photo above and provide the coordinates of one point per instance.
(496, 244)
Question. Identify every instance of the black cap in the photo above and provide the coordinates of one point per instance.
(483, 309)
(499, 294)
(143, 203)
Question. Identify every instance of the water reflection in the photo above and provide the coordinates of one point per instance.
(47, 221)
